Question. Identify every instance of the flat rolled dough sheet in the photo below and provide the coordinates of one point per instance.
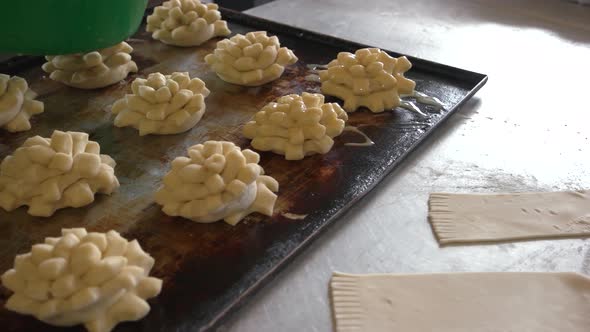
(460, 218)
(462, 302)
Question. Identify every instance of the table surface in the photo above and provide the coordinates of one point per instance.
(526, 130)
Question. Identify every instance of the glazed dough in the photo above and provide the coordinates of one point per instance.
(47, 174)
(461, 302)
(218, 181)
(251, 60)
(17, 104)
(95, 279)
(370, 77)
(459, 218)
(296, 126)
(92, 70)
(161, 104)
(186, 23)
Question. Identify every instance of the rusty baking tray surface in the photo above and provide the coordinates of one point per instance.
(210, 269)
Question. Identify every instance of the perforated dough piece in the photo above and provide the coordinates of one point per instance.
(186, 23)
(253, 59)
(296, 126)
(464, 218)
(461, 302)
(17, 104)
(162, 104)
(92, 70)
(369, 78)
(47, 174)
(94, 279)
(217, 181)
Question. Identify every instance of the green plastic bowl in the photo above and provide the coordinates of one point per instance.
(52, 27)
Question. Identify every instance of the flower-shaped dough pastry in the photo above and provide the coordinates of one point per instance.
(162, 104)
(47, 174)
(17, 104)
(186, 23)
(251, 60)
(369, 78)
(296, 126)
(92, 70)
(217, 181)
(95, 279)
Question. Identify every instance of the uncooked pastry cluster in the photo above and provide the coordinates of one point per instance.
(95, 279)
(296, 126)
(186, 23)
(251, 60)
(47, 174)
(17, 104)
(92, 70)
(217, 181)
(369, 78)
(162, 104)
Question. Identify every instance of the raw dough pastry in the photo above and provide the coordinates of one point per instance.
(459, 218)
(95, 279)
(370, 77)
(251, 60)
(218, 181)
(47, 174)
(186, 23)
(461, 302)
(92, 70)
(296, 126)
(17, 104)
(161, 104)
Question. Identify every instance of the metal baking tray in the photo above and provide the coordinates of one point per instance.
(209, 270)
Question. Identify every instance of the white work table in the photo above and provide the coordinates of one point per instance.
(526, 130)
